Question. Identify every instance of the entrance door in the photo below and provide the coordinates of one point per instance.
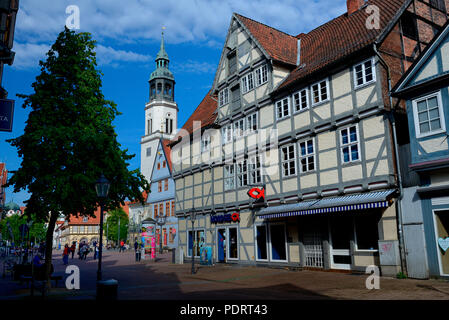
(221, 243)
(341, 233)
(313, 247)
(442, 239)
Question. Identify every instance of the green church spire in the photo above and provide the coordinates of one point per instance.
(162, 61)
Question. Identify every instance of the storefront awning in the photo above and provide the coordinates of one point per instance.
(346, 203)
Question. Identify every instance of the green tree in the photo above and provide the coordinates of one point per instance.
(112, 222)
(37, 230)
(69, 139)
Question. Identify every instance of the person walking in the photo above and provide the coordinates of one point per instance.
(65, 254)
(73, 248)
(81, 251)
(122, 246)
(136, 249)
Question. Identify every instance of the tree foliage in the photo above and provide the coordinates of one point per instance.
(37, 230)
(69, 139)
(111, 225)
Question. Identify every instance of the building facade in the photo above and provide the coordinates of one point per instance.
(304, 125)
(425, 90)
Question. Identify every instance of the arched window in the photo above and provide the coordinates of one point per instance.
(167, 90)
(159, 88)
(152, 91)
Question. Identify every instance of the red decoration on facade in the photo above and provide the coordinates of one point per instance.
(257, 193)
(235, 217)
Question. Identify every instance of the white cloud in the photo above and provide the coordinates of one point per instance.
(196, 67)
(29, 54)
(108, 55)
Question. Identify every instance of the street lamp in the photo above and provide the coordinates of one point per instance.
(192, 219)
(102, 188)
(160, 220)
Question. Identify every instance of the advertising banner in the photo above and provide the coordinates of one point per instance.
(6, 114)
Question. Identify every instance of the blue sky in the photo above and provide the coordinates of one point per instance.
(128, 35)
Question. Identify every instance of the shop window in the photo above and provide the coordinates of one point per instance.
(233, 243)
(278, 242)
(261, 242)
(366, 232)
(195, 241)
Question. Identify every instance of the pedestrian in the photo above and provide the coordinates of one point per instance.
(80, 250)
(122, 246)
(73, 248)
(65, 254)
(136, 249)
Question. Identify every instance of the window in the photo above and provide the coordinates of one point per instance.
(242, 173)
(167, 208)
(261, 75)
(195, 241)
(232, 63)
(164, 164)
(439, 4)
(229, 181)
(85, 219)
(251, 122)
(159, 186)
(239, 128)
(349, 144)
(235, 93)
(301, 100)
(159, 88)
(81, 229)
(153, 91)
(223, 97)
(254, 170)
(159, 166)
(161, 209)
(148, 151)
(173, 208)
(428, 115)
(226, 132)
(409, 26)
(75, 229)
(205, 143)
(166, 185)
(169, 125)
(282, 108)
(307, 156)
(247, 83)
(320, 92)
(155, 211)
(261, 242)
(288, 160)
(171, 236)
(364, 73)
(366, 231)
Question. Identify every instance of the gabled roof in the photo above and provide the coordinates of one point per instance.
(205, 113)
(279, 45)
(341, 37)
(404, 84)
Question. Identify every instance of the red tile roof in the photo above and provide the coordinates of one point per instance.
(167, 151)
(94, 221)
(205, 113)
(339, 38)
(145, 196)
(279, 45)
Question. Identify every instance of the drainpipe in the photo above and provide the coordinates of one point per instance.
(398, 166)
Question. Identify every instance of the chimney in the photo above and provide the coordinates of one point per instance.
(354, 5)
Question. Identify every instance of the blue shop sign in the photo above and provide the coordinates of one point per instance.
(235, 217)
(6, 114)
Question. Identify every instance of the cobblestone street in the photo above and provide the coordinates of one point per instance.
(162, 280)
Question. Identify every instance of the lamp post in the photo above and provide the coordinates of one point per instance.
(192, 219)
(160, 222)
(102, 188)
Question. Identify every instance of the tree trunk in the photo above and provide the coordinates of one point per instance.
(49, 246)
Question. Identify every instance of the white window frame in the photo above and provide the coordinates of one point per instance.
(373, 69)
(349, 144)
(319, 90)
(266, 243)
(249, 122)
(289, 160)
(440, 110)
(247, 83)
(223, 97)
(300, 109)
(241, 170)
(239, 128)
(253, 161)
(261, 75)
(307, 156)
(228, 177)
(282, 102)
(227, 134)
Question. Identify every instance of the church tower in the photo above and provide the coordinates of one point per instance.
(161, 112)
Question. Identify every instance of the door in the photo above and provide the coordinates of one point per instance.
(313, 247)
(278, 242)
(416, 255)
(441, 220)
(341, 233)
(221, 244)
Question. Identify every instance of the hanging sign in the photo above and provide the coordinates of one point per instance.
(235, 217)
(444, 243)
(6, 114)
(257, 193)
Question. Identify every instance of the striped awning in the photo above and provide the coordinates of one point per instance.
(362, 201)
